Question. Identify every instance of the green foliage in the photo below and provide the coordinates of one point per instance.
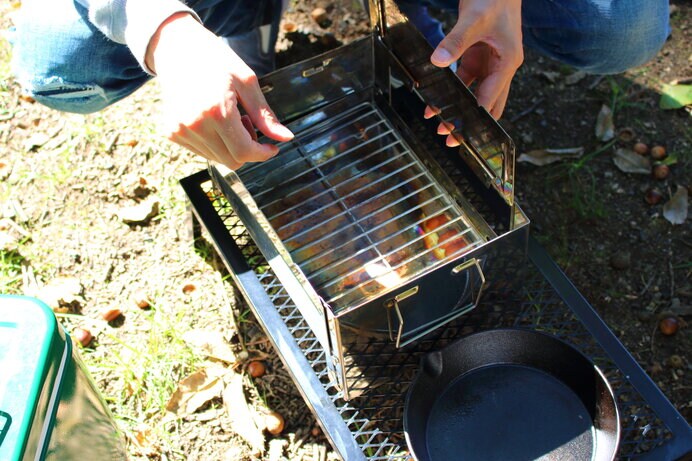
(10, 271)
(675, 96)
(143, 372)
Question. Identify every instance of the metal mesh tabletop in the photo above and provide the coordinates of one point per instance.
(535, 295)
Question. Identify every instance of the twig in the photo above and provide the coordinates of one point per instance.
(653, 335)
(684, 242)
(29, 281)
(19, 211)
(595, 83)
(112, 143)
(6, 222)
(681, 80)
(319, 453)
(647, 285)
(127, 163)
(527, 111)
(672, 279)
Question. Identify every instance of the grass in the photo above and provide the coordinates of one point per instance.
(582, 185)
(10, 272)
(143, 372)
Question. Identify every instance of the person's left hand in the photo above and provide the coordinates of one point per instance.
(488, 40)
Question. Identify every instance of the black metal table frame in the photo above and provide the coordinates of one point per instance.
(338, 418)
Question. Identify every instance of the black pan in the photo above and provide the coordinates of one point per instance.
(510, 395)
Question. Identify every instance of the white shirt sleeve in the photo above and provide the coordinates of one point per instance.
(133, 22)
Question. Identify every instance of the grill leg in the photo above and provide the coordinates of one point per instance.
(193, 228)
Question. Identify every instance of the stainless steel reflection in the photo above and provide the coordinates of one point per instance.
(357, 210)
(366, 217)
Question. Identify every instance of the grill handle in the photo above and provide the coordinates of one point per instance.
(393, 304)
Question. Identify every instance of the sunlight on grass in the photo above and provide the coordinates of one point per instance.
(10, 272)
(140, 375)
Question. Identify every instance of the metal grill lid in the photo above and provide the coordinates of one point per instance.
(485, 146)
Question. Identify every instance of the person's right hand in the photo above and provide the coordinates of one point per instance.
(202, 82)
(488, 39)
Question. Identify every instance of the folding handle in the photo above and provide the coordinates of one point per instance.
(393, 304)
(473, 262)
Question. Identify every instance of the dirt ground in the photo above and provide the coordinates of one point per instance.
(67, 180)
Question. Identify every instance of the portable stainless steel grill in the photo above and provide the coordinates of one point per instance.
(358, 215)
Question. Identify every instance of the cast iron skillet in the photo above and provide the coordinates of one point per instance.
(510, 395)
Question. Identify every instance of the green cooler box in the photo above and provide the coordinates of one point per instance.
(49, 407)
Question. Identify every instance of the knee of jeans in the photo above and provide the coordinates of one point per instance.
(627, 44)
(68, 97)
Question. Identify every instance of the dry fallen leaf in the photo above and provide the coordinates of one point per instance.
(605, 129)
(276, 449)
(631, 162)
(575, 77)
(550, 76)
(240, 414)
(5, 170)
(35, 141)
(675, 210)
(61, 292)
(209, 343)
(142, 437)
(194, 391)
(139, 214)
(542, 157)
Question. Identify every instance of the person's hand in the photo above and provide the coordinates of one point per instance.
(488, 40)
(202, 82)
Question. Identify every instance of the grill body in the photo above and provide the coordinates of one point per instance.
(372, 224)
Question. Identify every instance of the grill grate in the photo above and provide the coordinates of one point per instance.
(356, 208)
(381, 374)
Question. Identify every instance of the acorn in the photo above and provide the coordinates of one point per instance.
(289, 27)
(656, 368)
(82, 336)
(676, 361)
(658, 152)
(641, 148)
(141, 300)
(319, 15)
(626, 134)
(111, 314)
(653, 196)
(661, 171)
(274, 423)
(256, 369)
(669, 325)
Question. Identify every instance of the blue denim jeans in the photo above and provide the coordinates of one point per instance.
(65, 63)
(596, 36)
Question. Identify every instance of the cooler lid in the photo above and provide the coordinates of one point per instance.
(33, 352)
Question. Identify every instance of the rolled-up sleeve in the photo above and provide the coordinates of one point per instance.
(133, 22)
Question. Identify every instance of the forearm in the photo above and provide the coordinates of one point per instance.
(133, 22)
(178, 35)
